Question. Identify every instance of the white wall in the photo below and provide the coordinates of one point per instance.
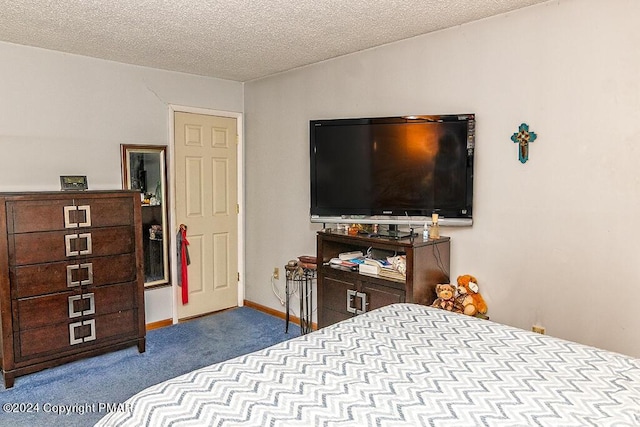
(555, 241)
(63, 114)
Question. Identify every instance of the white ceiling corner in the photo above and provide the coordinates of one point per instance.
(231, 39)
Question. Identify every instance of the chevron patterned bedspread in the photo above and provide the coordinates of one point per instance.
(402, 365)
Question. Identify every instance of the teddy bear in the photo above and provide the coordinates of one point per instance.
(446, 298)
(469, 296)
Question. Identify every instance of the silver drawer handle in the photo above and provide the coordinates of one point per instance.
(92, 305)
(67, 245)
(67, 242)
(89, 280)
(89, 246)
(72, 332)
(71, 268)
(67, 216)
(87, 216)
(351, 295)
(363, 302)
(70, 282)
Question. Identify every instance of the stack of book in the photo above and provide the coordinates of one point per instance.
(348, 260)
(372, 266)
(392, 267)
(391, 273)
(389, 268)
(397, 268)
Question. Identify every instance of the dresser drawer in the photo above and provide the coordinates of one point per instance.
(39, 279)
(36, 312)
(72, 336)
(27, 216)
(34, 248)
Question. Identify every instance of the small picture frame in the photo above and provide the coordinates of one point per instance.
(73, 183)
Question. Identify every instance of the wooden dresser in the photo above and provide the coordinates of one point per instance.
(71, 277)
(343, 293)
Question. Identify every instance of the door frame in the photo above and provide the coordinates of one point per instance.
(172, 207)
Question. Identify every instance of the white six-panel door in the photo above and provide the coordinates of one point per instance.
(206, 202)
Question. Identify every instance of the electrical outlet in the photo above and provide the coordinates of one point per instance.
(538, 329)
(276, 273)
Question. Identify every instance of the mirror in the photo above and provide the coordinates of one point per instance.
(144, 169)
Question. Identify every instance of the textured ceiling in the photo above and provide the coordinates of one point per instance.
(231, 39)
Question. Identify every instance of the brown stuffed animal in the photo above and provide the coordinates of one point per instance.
(446, 298)
(469, 296)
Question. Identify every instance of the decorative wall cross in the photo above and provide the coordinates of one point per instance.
(523, 137)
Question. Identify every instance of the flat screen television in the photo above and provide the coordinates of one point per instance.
(393, 166)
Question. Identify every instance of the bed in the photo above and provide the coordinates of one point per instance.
(402, 365)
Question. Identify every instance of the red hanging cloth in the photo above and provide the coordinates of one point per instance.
(184, 262)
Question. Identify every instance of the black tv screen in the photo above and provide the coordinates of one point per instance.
(396, 166)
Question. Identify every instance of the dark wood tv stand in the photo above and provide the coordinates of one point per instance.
(427, 265)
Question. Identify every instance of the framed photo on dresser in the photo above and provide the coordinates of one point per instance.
(73, 182)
